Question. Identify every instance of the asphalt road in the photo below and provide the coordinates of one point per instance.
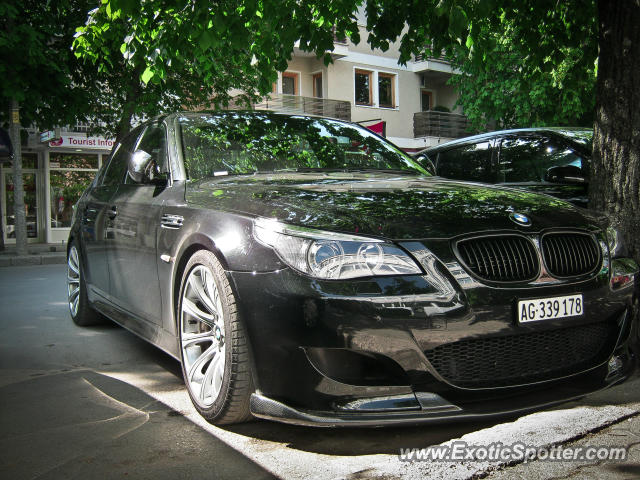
(100, 403)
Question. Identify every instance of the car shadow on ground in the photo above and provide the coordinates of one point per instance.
(84, 424)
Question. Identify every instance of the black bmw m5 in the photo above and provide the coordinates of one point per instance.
(307, 271)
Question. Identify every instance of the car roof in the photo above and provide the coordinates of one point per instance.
(262, 113)
(562, 131)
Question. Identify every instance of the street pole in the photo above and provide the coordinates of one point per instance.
(18, 186)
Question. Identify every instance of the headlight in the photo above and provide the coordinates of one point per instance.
(330, 255)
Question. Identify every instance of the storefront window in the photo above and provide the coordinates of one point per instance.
(72, 160)
(29, 160)
(69, 175)
(30, 205)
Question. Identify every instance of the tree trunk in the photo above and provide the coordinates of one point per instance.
(615, 169)
(133, 92)
(616, 144)
(124, 124)
(18, 186)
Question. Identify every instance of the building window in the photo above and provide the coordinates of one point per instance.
(290, 83)
(317, 85)
(386, 90)
(363, 84)
(375, 89)
(69, 175)
(426, 100)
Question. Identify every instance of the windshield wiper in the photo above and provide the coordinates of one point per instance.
(345, 169)
(384, 170)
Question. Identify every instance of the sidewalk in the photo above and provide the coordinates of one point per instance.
(621, 434)
(39, 254)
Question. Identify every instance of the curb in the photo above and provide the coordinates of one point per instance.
(31, 260)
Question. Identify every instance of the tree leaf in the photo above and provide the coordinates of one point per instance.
(146, 75)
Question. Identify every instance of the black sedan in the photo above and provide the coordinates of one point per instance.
(554, 161)
(305, 270)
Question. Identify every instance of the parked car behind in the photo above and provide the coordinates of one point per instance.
(307, 271)
(554, 161)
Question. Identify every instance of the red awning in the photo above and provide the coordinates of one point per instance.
(377, 128)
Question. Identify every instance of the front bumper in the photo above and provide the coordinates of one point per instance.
(356, 353)
(270, 409)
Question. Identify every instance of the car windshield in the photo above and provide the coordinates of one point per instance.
(240, 143)
(582, 137)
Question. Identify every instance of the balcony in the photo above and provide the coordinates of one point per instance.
(440, 124)
(323, 107)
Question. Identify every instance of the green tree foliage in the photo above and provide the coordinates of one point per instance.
(510, 90)
(523, 63)
(187, 54)
(40, 79)
(37, 68)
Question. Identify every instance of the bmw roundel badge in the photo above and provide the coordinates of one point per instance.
(520, 219)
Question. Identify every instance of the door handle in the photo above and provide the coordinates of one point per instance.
(112, 212)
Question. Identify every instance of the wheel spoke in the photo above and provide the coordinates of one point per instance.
(74, 304)
(218, 373)
(200, 289)
(73, 294)
(73, 261)
(210, 377)
(195, 339)
(201, 360)
(189, 338)
(190, 308)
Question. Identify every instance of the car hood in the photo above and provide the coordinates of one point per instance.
(387, 205)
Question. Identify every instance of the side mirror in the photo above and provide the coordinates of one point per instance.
(140, 167)
(426, 163)
(6, 147)
(565, 174)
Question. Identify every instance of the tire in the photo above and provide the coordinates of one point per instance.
(214, 347)
(81, 312)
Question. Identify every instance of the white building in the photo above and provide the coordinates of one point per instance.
(369, 86)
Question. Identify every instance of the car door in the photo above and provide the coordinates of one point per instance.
(471, 162)
(132, 258)
(545, 164)
(96, 217)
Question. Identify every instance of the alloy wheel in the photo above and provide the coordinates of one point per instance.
(202, 336)
(73, 280)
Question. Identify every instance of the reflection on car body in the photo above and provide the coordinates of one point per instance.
(554, 161)
(304, 270)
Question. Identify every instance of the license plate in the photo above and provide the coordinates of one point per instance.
(550, 308)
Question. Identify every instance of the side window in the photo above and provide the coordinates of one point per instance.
(528, 159)
(154, 142)
(468, 162)
(117, 168)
